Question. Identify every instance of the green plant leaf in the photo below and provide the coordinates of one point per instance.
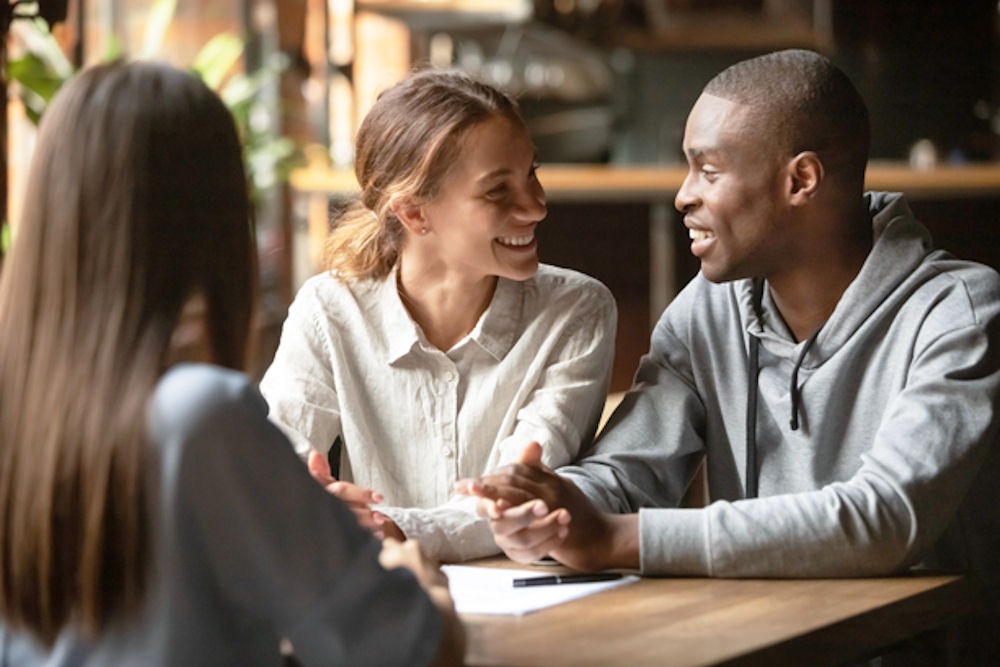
(113, 50)
(216, 59)
(241, 90)
(269, 158)
(40, 42)
(37, 83)
(6, 237)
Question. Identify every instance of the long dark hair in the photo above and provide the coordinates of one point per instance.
(136, 201)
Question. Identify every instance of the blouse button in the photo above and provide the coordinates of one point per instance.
(447, 452)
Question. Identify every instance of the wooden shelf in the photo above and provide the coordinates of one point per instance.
(441, 14)
(614, 183)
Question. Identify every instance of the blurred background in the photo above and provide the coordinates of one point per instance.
(601, 82)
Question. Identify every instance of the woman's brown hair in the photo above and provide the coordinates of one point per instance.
(136, 201)
(404, 148)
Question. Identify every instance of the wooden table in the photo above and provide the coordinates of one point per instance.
(675, 622)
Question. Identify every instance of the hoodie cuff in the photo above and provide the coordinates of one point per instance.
(673, 541)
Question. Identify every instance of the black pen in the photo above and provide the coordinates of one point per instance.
(567, 579)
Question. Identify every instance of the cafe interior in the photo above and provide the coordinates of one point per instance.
(605, 87)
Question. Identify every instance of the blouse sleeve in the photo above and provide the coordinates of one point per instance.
(563, 411)
(299, 384)
(274, 545)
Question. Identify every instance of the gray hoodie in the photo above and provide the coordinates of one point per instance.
(892, 463)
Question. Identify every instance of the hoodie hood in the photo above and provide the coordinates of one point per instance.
(900, 243)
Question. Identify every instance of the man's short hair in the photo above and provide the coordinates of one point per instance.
(801, 101)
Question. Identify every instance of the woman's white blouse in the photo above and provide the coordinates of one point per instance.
(412, 420)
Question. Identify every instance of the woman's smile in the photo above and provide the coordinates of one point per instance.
(525, 242)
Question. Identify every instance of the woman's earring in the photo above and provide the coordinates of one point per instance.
(423, 231)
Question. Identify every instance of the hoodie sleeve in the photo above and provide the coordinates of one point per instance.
(933, 439)
(929, 445)
(652, 445)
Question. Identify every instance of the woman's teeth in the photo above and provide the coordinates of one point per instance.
(516, 240)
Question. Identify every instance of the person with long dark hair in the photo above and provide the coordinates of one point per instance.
(144, 495)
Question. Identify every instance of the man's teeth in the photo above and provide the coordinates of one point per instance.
(699, 234)
(517, 240)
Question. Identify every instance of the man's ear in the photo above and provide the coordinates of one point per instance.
(805, 175)
(411, 214)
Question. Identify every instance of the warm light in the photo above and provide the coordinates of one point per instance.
(565, 6)
(341, 31)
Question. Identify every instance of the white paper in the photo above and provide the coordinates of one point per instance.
(490, 590)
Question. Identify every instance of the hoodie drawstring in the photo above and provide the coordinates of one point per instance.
(753, 370)
(753, 374)
(794, 390)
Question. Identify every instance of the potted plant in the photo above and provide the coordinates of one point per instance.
(269, 157)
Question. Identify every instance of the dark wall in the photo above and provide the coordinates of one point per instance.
(611, 243)
(927, 68)
(968, 228)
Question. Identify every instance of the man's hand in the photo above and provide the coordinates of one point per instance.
(358, 498)
(521, 522)
(534, 512)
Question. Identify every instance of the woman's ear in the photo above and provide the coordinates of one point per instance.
(805, 172)
(410, 213)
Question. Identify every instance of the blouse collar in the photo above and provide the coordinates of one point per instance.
(495, 332)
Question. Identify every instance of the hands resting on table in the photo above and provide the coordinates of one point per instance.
(534, 512)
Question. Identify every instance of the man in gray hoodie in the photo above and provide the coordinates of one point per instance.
(838, 376)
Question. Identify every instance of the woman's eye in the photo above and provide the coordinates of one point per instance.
(497, 192)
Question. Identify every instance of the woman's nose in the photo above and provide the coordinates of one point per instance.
(532, 204)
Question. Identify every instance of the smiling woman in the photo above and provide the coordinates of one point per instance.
(436, 346)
